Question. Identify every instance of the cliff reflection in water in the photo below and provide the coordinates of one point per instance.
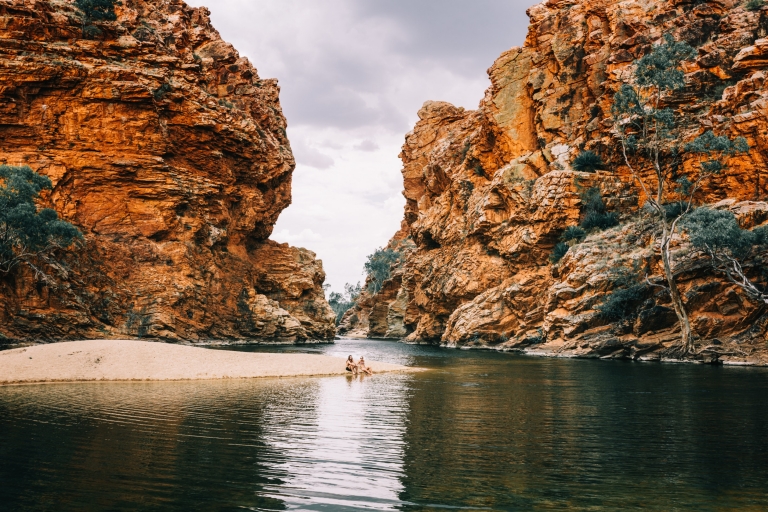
(539, 434)
(478, 431)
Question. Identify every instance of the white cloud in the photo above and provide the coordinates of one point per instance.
(307, 155)
(353, 74)
(367, 145)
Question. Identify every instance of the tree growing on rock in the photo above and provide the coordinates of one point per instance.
(378, 267)
(729, 247)
(29, 235)
(652, 151)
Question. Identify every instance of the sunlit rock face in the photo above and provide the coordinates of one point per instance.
(170, 154)
(490, 191)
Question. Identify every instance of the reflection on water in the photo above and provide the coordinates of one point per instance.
(480, 431)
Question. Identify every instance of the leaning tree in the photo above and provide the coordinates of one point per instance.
(652, 149)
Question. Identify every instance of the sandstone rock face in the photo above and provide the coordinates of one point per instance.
(170, 154)
(490, 191)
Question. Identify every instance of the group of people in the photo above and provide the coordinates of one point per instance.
(359, 367)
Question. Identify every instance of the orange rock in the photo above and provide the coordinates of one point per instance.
(170, 153)
(490, 191)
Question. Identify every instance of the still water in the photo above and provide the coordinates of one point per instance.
(479, 431)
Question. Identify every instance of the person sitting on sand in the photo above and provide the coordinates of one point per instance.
(362, 367)
(351, 366)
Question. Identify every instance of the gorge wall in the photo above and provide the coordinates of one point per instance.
(170, 154)
(490, 191)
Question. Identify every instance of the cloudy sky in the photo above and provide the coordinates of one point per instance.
(353, 74)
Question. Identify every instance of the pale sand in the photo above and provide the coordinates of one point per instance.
(125, 360)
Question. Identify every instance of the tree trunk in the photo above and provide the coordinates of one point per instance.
(677, 301)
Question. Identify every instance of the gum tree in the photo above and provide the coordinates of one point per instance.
(652, 150)
(29, 235)
(378, 267)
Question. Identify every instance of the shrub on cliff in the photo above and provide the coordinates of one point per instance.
(649, 138)
(29, 235)
(560, 250)
(754, 5)
(622, 303)
(717, 233)
(573, 233)
(588, 161)
(595, 214)
(95, 10)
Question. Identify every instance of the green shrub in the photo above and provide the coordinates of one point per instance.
(595, 214)
(95, 10)
(599, 220)
(558, 252)
(26, 233)
(754, 5)
(718, 230)
(622, 303)
(573, 233)
(588, 161)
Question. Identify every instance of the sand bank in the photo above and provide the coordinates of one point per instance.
(100, 360)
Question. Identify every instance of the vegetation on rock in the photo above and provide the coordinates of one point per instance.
(622, 303)
(595, 214)
(343, 302)
(95, 10)
(29, 235)
(728, 246)
(560, 250)
(588, 161)
(378, 267)
(650, 137)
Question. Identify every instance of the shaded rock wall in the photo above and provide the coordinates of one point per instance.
(490, 191)
(170, 153)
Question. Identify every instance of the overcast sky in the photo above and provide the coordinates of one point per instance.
(353, 74)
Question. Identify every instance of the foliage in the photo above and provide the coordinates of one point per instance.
(379, 266)
(28, 235)
(622, 303)
(95, 10)
(342, 302)
(754, 5)
(595, 214)
(649, 137)
(558, 252)
(718, 234)
(588, 161)
(574, 233)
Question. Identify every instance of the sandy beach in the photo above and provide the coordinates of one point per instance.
(133, 360)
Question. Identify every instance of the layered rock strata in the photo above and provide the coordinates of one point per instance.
(170, 154)
(490, 191)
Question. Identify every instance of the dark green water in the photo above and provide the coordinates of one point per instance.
(480, 431)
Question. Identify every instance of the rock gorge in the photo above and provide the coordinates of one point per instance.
(170, 154)
(490, 191)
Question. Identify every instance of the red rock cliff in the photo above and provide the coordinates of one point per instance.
(489, 191)
(170, 154)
